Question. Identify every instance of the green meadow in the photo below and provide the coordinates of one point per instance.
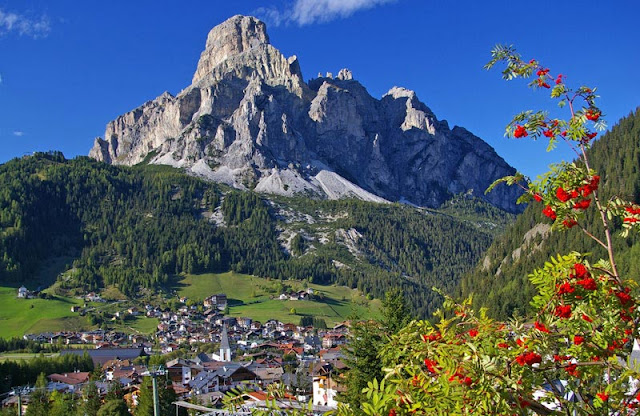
(24, 356)
(33, 316)
(257, 298)
(248, 296)
(24, 316)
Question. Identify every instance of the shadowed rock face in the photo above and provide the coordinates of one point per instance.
(249, 120)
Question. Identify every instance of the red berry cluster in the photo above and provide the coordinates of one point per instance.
(541, 327)
(431, 365)
(563, 311)
(592, 114)
(580, 194)
(520, 132)
(635, 214)
(542, 76)
(431, 337)
(580, 278)
(462, 379)
(529, 358)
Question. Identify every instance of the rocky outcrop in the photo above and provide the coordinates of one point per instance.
(250, 120)
(233, 37)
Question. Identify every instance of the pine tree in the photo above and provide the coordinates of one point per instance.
(366, 339)
(115, 391)
(90, 400)
(145, 399)
(395, 313)
(62, 404)
(166, 395)
(114, 408)
(39, 400)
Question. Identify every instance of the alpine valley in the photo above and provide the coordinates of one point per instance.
(254, 170)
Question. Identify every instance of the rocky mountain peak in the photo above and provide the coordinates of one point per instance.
(232, 37)
(249, 120)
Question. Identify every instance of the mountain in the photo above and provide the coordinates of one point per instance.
(500, 281)
(249, 120)
(138, 227)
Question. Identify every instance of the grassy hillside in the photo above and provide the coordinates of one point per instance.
(22, 316)
(133, 228)
(256, 298)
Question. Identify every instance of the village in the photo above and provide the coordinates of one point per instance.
(206, 354)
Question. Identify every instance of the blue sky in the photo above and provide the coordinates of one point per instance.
(69, 67)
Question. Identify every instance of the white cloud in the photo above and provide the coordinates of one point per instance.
(306, 12)
(23, 25)
(18, 133)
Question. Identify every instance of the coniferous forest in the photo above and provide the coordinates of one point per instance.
(133, 227)
(500, 282)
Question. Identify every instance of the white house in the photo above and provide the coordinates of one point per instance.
(325, 384)
(23, 292)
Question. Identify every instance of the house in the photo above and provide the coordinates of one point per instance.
(341, 328)
(333, 340)
(210, 399)
(216, 301)
(297, 351)
(72, 381)
(182, 371)
(312, 343)
(244, 322)
(290, 329)
(331, 354)
(93, 297)
(269, 375)
(326, 383)
(225, 378)
(23, 292)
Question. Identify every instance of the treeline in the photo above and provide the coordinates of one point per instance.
(23, 372)
(21, 345)
(135, 227)
(318, 323)
(400, 246)
(500, 282)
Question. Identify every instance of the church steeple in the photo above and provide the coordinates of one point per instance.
(225, 348)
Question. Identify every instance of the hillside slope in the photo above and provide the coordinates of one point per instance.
(139, 226)
(500, 280)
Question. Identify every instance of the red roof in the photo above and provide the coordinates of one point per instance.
(70, 378)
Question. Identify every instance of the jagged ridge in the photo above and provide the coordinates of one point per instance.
(249, 120)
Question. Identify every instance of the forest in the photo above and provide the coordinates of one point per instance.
(133, 227)
(501, 281)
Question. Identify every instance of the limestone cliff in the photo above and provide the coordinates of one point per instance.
(249, 120)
